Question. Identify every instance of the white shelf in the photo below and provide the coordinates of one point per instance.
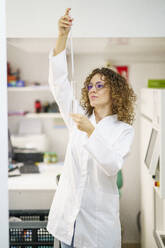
(44, 115)
(30, 88)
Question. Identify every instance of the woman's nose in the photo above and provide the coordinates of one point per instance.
(93, 89)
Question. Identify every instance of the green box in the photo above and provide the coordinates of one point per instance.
(156, 83)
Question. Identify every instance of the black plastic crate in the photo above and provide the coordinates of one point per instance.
(27, 229)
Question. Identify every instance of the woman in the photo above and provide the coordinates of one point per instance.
(85, 209)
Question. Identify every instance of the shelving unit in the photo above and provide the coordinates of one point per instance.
(34, 89)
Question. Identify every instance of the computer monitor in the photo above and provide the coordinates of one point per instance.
(152, 153)
(150, 148)
(27, 163)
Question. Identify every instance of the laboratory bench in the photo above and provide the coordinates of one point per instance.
(30, 198)
(34, 191)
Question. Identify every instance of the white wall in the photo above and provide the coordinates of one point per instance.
(140, 69)
(94, 18)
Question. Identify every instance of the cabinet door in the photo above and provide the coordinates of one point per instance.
(147, 189)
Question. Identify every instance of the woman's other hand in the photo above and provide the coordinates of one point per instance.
(65, 23)
(83, 123)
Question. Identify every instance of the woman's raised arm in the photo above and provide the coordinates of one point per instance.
(58, 74)
(64, 26)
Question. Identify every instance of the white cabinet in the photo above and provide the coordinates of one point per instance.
(152, 110)
(147, 206)
(152, 196)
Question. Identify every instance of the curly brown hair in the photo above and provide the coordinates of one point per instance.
(122, 95)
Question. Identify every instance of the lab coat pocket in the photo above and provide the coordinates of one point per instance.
(107, 204)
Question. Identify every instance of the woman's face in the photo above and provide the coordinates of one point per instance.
(99, 96)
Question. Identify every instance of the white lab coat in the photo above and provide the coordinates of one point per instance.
(87, 191)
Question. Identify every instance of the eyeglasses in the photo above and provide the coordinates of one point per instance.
(98, 86)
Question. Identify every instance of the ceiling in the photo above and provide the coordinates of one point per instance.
(93, 45)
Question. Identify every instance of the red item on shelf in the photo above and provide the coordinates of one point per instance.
(38, 106)
(11, 78)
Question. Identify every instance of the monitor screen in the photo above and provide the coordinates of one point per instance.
(151, 146)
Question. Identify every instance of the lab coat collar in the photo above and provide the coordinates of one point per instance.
(109, 118)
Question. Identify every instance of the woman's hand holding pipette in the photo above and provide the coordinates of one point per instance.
(64, 26)
(65, 23)
(83, 123)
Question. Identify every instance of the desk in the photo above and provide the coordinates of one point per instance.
(34, 191)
